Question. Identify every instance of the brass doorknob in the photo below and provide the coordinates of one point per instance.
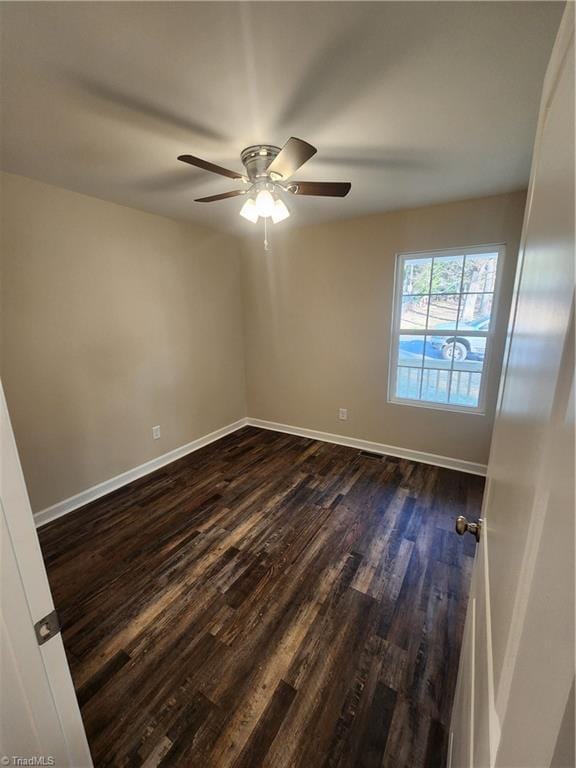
(462, 525)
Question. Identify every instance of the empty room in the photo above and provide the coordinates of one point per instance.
(287, 384)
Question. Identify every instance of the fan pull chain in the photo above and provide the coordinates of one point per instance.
(266, 242)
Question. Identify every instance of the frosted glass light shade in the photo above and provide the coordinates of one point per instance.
(264, 203)
(249, 211)
(280, 211)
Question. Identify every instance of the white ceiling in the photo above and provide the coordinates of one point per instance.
(414, 103)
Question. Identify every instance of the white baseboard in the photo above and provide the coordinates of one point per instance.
(90, 494)
(365, 445)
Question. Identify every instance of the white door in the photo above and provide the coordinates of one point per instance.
(39, 713)
(517, 663)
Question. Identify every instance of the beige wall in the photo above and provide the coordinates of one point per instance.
(318, 311)
(114, 321)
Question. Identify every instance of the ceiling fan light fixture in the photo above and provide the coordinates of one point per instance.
(280, 211)
(249, 210)
(269, 170)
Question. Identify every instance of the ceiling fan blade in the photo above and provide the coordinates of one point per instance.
(199, 163)
(320, 188)
(292, 156)
(221, 196)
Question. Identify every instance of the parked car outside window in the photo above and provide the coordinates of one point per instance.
(461, 347)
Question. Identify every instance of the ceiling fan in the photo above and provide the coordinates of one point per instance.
(268, 175)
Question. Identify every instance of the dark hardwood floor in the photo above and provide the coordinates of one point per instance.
(268, 601)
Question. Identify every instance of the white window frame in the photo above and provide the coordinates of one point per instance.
(396, 332)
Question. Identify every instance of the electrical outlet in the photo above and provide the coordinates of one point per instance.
(343, 414)
(156, 433)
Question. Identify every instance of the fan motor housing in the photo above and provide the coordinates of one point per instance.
(257, 158)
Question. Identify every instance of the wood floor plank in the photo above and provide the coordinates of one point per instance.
(269, 601)
(265, 732)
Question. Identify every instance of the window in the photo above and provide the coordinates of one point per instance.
(442, 326)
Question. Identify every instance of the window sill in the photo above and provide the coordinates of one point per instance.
(438, 406)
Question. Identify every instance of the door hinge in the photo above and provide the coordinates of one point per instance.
(47, 627)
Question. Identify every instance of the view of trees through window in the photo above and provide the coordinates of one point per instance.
(442, 323)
